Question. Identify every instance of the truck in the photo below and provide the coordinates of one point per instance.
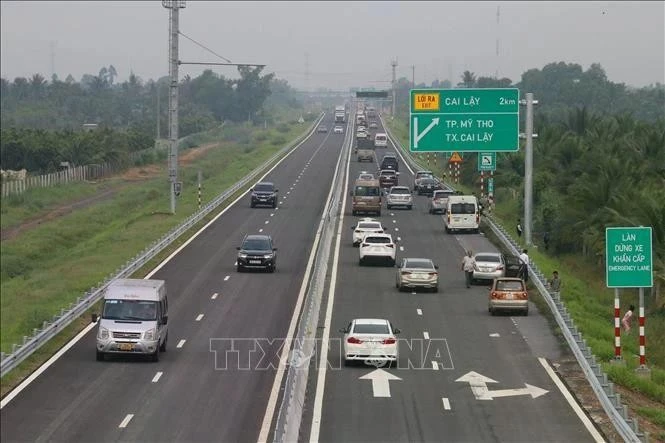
(340, 114)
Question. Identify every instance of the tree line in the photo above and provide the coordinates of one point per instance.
(41, 120)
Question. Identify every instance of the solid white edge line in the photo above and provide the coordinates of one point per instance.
(157, 376)
(323, 366)
(125, 421)
(279, 375)
(181, 343)
(571, 401)
(446, 403)
(17, 390)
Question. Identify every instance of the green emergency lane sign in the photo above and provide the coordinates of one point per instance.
(628, 257)
(490, 185)
(486, 161)
(464, 120)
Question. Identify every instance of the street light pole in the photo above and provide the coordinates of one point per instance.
(528, 167)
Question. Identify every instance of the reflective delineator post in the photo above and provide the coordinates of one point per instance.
(643, 357)
(617, 326)
(482, 187)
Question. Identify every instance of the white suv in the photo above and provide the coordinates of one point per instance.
(399, 196)
(378, 247)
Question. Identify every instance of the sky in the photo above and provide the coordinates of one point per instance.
(340, 44)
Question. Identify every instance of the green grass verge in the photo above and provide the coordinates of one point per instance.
(590, 304)
(46, 268)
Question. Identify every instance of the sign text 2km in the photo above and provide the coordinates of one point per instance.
(464, 120)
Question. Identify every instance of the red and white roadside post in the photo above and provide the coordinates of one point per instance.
(482, 187)
(642, 369)
(617, 327)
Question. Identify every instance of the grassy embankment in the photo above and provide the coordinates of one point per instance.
(591, 305)
(46, 268)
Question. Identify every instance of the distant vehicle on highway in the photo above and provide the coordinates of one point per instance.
(428, 185)
(257, 252)
(389, 161)
(373, 125)
(322, 128)
(370, 340)
(264, 194)
(377, 247)
(399, 196)
(417, 273)
(364, 175)
(338, 129)
(381, 140)
(420, 175)
(462, 214)
(388, 178)
(366, 197)
(366, 226)
(508, 294)
(439, 201)
(134, 318)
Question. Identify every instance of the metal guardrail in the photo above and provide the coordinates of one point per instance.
(604, 390)
(289, 418)
(83, 303)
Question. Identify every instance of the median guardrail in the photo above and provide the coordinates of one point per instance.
(604, 390)
(82, 304)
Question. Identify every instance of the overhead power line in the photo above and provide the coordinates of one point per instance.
(205, 47)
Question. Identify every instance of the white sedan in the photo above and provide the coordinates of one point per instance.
(366, 226)
(371, 340)
(378, 247)
(338, 130)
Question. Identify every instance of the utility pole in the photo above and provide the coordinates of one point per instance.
(159, 114)
(528, 166)
(393, 63)
(174, 7)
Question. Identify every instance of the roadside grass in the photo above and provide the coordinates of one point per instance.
(590, 304)
(50, 266)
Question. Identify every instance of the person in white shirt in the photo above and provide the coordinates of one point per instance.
(524, 262)
(468, 264)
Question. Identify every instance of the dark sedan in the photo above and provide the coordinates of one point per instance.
(427, 186)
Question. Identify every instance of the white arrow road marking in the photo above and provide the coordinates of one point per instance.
(495, 334)
(126, 420)
(446, 404)
(380, 382)
(181, 343)
(479, 388)
(416, 136)
(157, 376)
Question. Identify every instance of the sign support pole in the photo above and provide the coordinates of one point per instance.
(617, 328)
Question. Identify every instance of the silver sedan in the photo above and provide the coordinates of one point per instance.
(417, 273)
(489, 265)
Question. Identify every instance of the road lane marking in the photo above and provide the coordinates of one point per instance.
(399, 238)
(272, 215)
(392, 214)
(227, 278)
(267, 221)
(426, 335)
(214, 296)
(571, 401)
(401, 248)
(446, 403)
(396, 229)
(181, 343)
(419, 311)
(261, 230)
(126, 420)
(288, 192)
(394, 221)
(435, 365)
(199, 317)
(157, 376)
(495, 334)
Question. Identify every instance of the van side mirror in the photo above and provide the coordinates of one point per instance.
(94, 318)
(165, 319)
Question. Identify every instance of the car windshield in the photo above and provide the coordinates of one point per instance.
(263, 188)
(256, 244)
(418, 263)
(509, 285)
(463, 208)
(129, 310)
(388, 172)
(367, 191)
(443, 194)
(428, 181)
(376, 240)
(366, 177)
(488, 258)
(369, 226)
(400, 191)
(363, 328)
(423, 174)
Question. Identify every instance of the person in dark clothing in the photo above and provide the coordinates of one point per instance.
(519, 228)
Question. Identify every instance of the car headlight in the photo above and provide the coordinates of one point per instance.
(150, 334)
(103, 333)
(267, 256)
(242, 255)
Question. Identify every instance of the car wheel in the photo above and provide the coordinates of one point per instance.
(361, 261)
(391, 262)
(492, 312)
(435, 289)
(378, 212)
(252, 205)
(272, 268)
(447, 230)
(162, 347)
(274, 205)
(101, 356)
(409, 207)
(347, 362)
(526, 312)
(240, 268)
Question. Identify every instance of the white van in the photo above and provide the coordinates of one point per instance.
(134, 318)
(380, 140)
(462, 214)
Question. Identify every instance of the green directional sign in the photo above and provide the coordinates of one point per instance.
(628, 257)
(464, 120)
(486, 161)
(490, 185)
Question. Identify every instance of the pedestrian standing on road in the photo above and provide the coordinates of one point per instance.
(555, 282)
(468, 263)
(519, 228)
(524, 265)
(627, 318)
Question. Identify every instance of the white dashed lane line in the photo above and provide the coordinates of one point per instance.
(435, 366)
(214, 296)
(181, 343)
(272, 215)
(126, 420)
(399, 238)
(227, 278)
(396, 229)
(446, 404)
(394, 221)
(157, 376)
(199, 317)
(267, 221)
(401, 248)
(261, 230)
(426, 335)
(419, 311)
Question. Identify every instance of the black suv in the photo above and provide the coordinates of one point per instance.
(257, 252)
(265, 194)
(389, 161)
